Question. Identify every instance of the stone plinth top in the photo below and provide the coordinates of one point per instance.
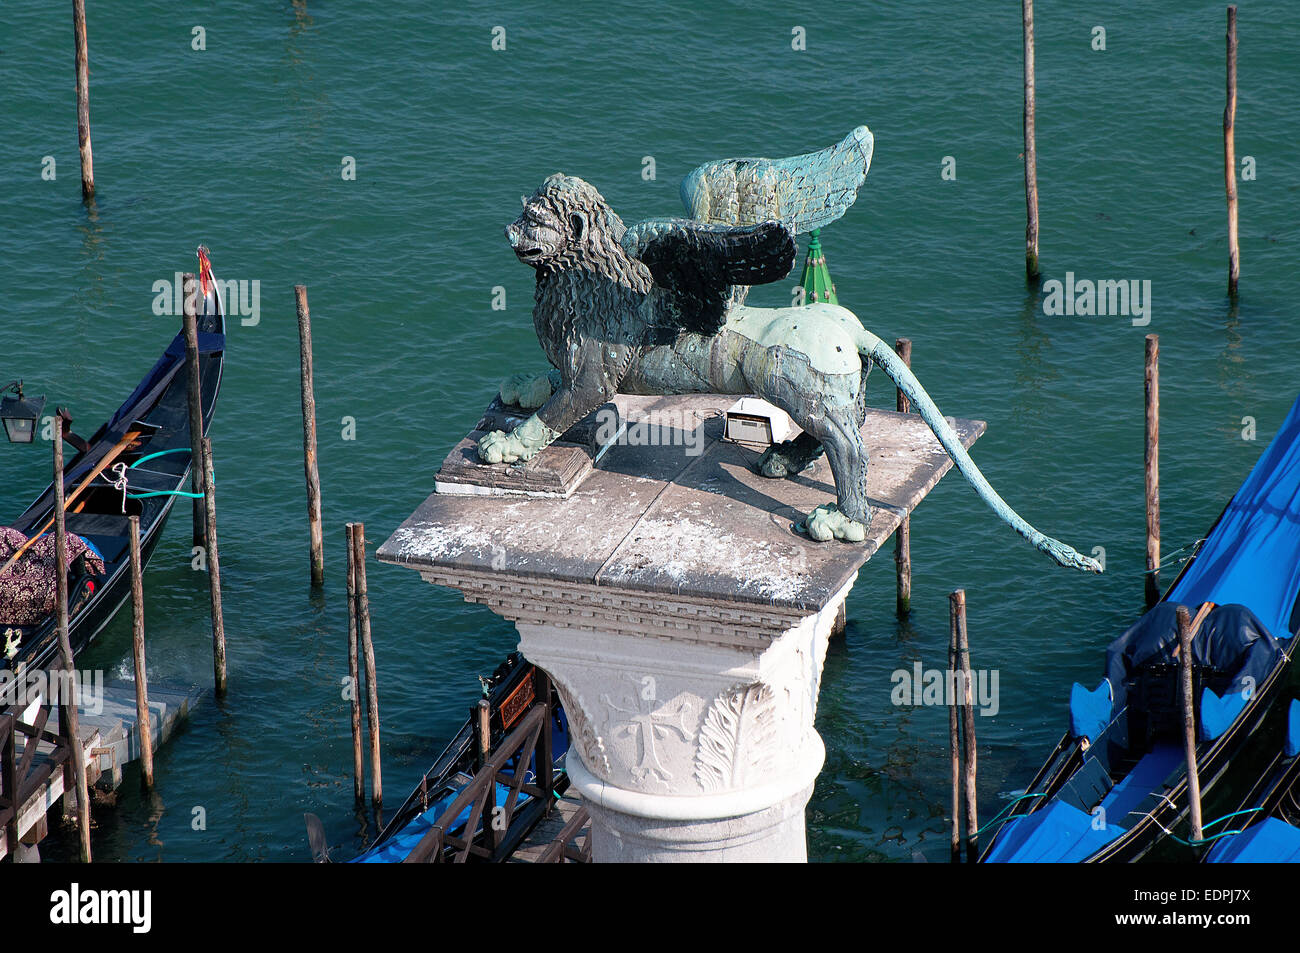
(673, 517)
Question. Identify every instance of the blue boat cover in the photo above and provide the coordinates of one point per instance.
(1059, 833)
(1271, 841)
(1218, 714)
(1250, 556)
(1292, 747)
(1090, 711)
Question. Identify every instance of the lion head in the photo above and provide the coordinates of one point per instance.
(565, 223)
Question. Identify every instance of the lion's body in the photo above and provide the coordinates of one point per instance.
(696, 363)
(599, 318)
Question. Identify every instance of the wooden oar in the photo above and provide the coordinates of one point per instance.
(126, 441)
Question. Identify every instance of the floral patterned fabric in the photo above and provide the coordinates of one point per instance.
(27, 588)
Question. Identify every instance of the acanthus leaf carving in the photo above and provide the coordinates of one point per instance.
(590, 745)
(737, 738)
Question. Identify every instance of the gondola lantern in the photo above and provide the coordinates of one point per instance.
(20, 414)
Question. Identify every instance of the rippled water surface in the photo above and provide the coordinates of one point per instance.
(240, 146)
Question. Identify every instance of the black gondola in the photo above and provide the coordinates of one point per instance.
(1117, 783)
(510, 692)
(156, 465)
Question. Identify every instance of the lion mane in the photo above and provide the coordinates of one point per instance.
(592, 286)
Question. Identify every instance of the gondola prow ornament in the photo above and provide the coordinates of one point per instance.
(658, 309)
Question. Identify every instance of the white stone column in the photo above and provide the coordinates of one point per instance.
(679, 612)
(686, 746)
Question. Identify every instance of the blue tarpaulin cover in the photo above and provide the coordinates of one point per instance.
(1090, 711)
(1059, 833)
(1218, 714)
(1250, 556)
(1269, 842)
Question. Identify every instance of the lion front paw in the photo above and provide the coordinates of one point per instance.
(501, 447)
(528, 391)
(826, 522)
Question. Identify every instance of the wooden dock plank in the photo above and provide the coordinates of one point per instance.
(540, 837)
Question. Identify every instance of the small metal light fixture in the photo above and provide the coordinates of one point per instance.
(20, 414)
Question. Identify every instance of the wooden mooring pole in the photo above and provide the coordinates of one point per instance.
(309, 438)
(83, 101)
(358, 759)
(1152, 466)
(483, 731)
(201, 470)
(214, 573)
(142, 719)
(954, 741)
(1230, 153)
(189, 323)
(368, 650)
(957, 612)
(903, 535)
(76, 766)
(1031, 153)
(1189, 718)
(483, 742)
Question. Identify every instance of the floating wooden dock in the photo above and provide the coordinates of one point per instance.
(109, 735)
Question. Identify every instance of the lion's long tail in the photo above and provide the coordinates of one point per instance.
(872, 347)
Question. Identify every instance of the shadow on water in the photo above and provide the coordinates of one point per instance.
(1234, 378)
(363, 835)
(89, 295)
(305, 90)
(1033, 347)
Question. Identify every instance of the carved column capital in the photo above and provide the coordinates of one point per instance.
(679, 731)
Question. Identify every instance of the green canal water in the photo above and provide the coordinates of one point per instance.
(241, 146)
